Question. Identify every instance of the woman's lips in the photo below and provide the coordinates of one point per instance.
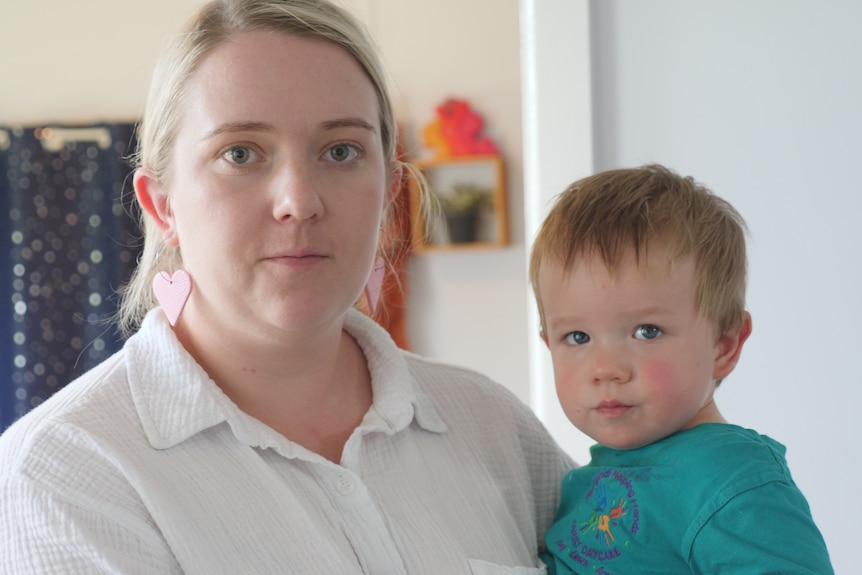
(298, 261)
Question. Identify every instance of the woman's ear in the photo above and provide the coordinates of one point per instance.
(729, 348)
(155, 204)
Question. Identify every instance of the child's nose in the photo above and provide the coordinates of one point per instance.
(610, 364)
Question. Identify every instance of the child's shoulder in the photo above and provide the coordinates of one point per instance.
(724, 444)
(716, 450)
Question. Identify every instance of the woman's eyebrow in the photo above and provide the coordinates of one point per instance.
(348, 123)
(231, 127)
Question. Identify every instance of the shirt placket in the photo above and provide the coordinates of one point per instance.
(363, 524)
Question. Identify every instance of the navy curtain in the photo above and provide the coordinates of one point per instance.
(68, 243)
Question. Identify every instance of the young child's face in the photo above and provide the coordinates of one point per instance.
(633, 359)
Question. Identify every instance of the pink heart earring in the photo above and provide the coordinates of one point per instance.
(375, 283)
(172, 291)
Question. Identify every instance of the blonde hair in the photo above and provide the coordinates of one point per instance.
(214, 24)
(614, 211)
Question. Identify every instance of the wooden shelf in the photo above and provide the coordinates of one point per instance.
(450, 181)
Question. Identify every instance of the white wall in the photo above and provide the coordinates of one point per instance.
(760, 101)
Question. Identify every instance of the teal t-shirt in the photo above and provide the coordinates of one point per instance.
(716, 498)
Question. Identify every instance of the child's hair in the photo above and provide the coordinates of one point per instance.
(611, 212)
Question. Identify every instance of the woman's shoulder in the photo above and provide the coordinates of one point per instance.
(453, 389)
(475, 403)
(460, 385)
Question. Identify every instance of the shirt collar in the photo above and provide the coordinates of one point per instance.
(175, 398)
(397, 397)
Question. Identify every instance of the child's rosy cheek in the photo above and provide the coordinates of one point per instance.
(660, 372)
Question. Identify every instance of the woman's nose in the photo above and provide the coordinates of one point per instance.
(296, 193)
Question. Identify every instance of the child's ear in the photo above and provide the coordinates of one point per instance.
(155, 204)
(729, 348)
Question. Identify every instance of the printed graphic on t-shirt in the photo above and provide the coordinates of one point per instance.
(603, 523)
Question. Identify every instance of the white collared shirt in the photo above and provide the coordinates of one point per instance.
(143, 465)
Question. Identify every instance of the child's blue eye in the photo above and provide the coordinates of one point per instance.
(647, 332)
(577, 338)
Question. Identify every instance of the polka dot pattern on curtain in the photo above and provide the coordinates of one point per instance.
(68, 244)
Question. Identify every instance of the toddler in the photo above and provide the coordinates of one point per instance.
(639, 275)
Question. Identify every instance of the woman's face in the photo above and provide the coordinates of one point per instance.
(277, 183)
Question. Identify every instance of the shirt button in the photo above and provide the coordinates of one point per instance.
(344, 485)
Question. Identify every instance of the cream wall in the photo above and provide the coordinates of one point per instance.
(469, 307)
(80, 61)
(90, 60)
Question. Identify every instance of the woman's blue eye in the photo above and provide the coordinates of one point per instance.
(239, 155)
(647, 332)
(342, 152)
(577, 338)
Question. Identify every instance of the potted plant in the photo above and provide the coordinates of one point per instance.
(461, 207)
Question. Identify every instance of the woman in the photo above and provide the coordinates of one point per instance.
(256, 422)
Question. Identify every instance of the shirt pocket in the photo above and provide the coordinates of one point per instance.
(479, 567)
